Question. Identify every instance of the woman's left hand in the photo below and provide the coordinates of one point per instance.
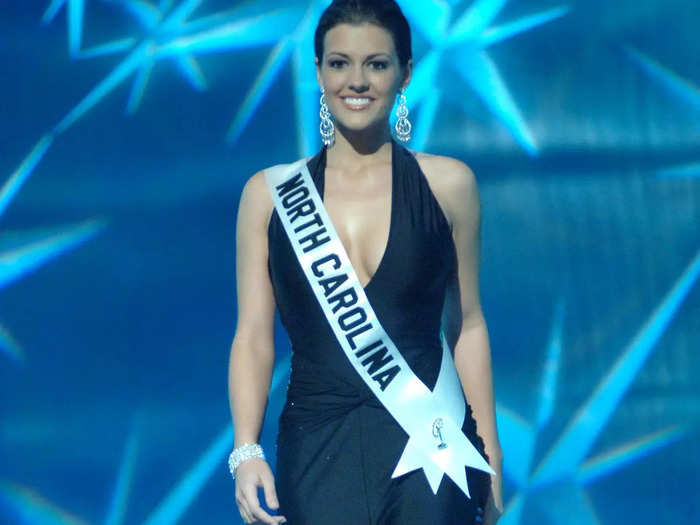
(494, 504)
(492, 513)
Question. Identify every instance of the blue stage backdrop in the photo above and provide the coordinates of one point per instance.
(127, 130)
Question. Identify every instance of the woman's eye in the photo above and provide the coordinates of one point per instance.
(379, 65)
(336, 63)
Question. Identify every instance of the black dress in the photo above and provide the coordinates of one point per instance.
(337, 445)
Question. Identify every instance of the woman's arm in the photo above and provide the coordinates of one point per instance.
(252, 352)
(456, 185)
(473, 362)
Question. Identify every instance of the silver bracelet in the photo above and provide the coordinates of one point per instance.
(240, 454)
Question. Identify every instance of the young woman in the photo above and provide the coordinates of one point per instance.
(409, 223)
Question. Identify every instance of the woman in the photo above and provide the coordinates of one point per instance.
(409, 223)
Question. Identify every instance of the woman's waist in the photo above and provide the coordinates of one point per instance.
(315, 345)
(318, 397)
(325, 382)
(325, 369)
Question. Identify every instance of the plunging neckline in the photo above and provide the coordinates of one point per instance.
(382, 261)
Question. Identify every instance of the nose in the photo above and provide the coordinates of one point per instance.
(358, 83)
(359, 89)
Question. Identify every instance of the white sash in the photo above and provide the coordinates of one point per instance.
(433, 420)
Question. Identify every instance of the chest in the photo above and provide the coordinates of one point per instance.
(398, 242)
(361, 208)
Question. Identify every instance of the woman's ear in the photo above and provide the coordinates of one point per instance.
(408, 73)
(318, 72)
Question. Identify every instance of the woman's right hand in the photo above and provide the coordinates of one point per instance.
(251, 474)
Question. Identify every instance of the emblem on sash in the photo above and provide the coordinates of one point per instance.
(437, 427)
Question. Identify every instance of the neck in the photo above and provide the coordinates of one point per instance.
(358, 148)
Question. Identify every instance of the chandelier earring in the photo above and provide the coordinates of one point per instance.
(327, 128)
(402, 126)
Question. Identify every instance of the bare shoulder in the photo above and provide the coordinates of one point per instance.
(255, 188)
(452, 181)
(444, 171)
(255, 206)
(255, 196)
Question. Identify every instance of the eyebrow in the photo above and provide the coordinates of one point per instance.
(373, 55)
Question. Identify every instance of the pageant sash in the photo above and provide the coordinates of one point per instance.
(433, 420)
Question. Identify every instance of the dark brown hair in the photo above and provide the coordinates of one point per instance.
(384, 13)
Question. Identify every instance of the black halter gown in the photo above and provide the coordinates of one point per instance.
(337, 445)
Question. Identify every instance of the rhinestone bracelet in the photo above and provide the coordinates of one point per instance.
(240, 454)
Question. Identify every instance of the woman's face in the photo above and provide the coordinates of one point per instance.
(361, 74)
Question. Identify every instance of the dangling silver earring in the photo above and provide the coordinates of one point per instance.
(402, 126)
(327, 128)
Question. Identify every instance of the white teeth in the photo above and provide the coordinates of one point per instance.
(357, 101)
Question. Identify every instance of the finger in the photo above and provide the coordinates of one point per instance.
(250, 494)
(270, 492)
(243, 508)
(245, 515)
(260, 514)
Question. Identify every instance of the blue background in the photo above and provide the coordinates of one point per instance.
(127, 129)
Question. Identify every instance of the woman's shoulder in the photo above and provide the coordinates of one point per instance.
(256, 182)
(450, 179)
(445, 170)
(256, 192)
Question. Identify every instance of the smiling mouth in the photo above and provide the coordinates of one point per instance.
(357, 102)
